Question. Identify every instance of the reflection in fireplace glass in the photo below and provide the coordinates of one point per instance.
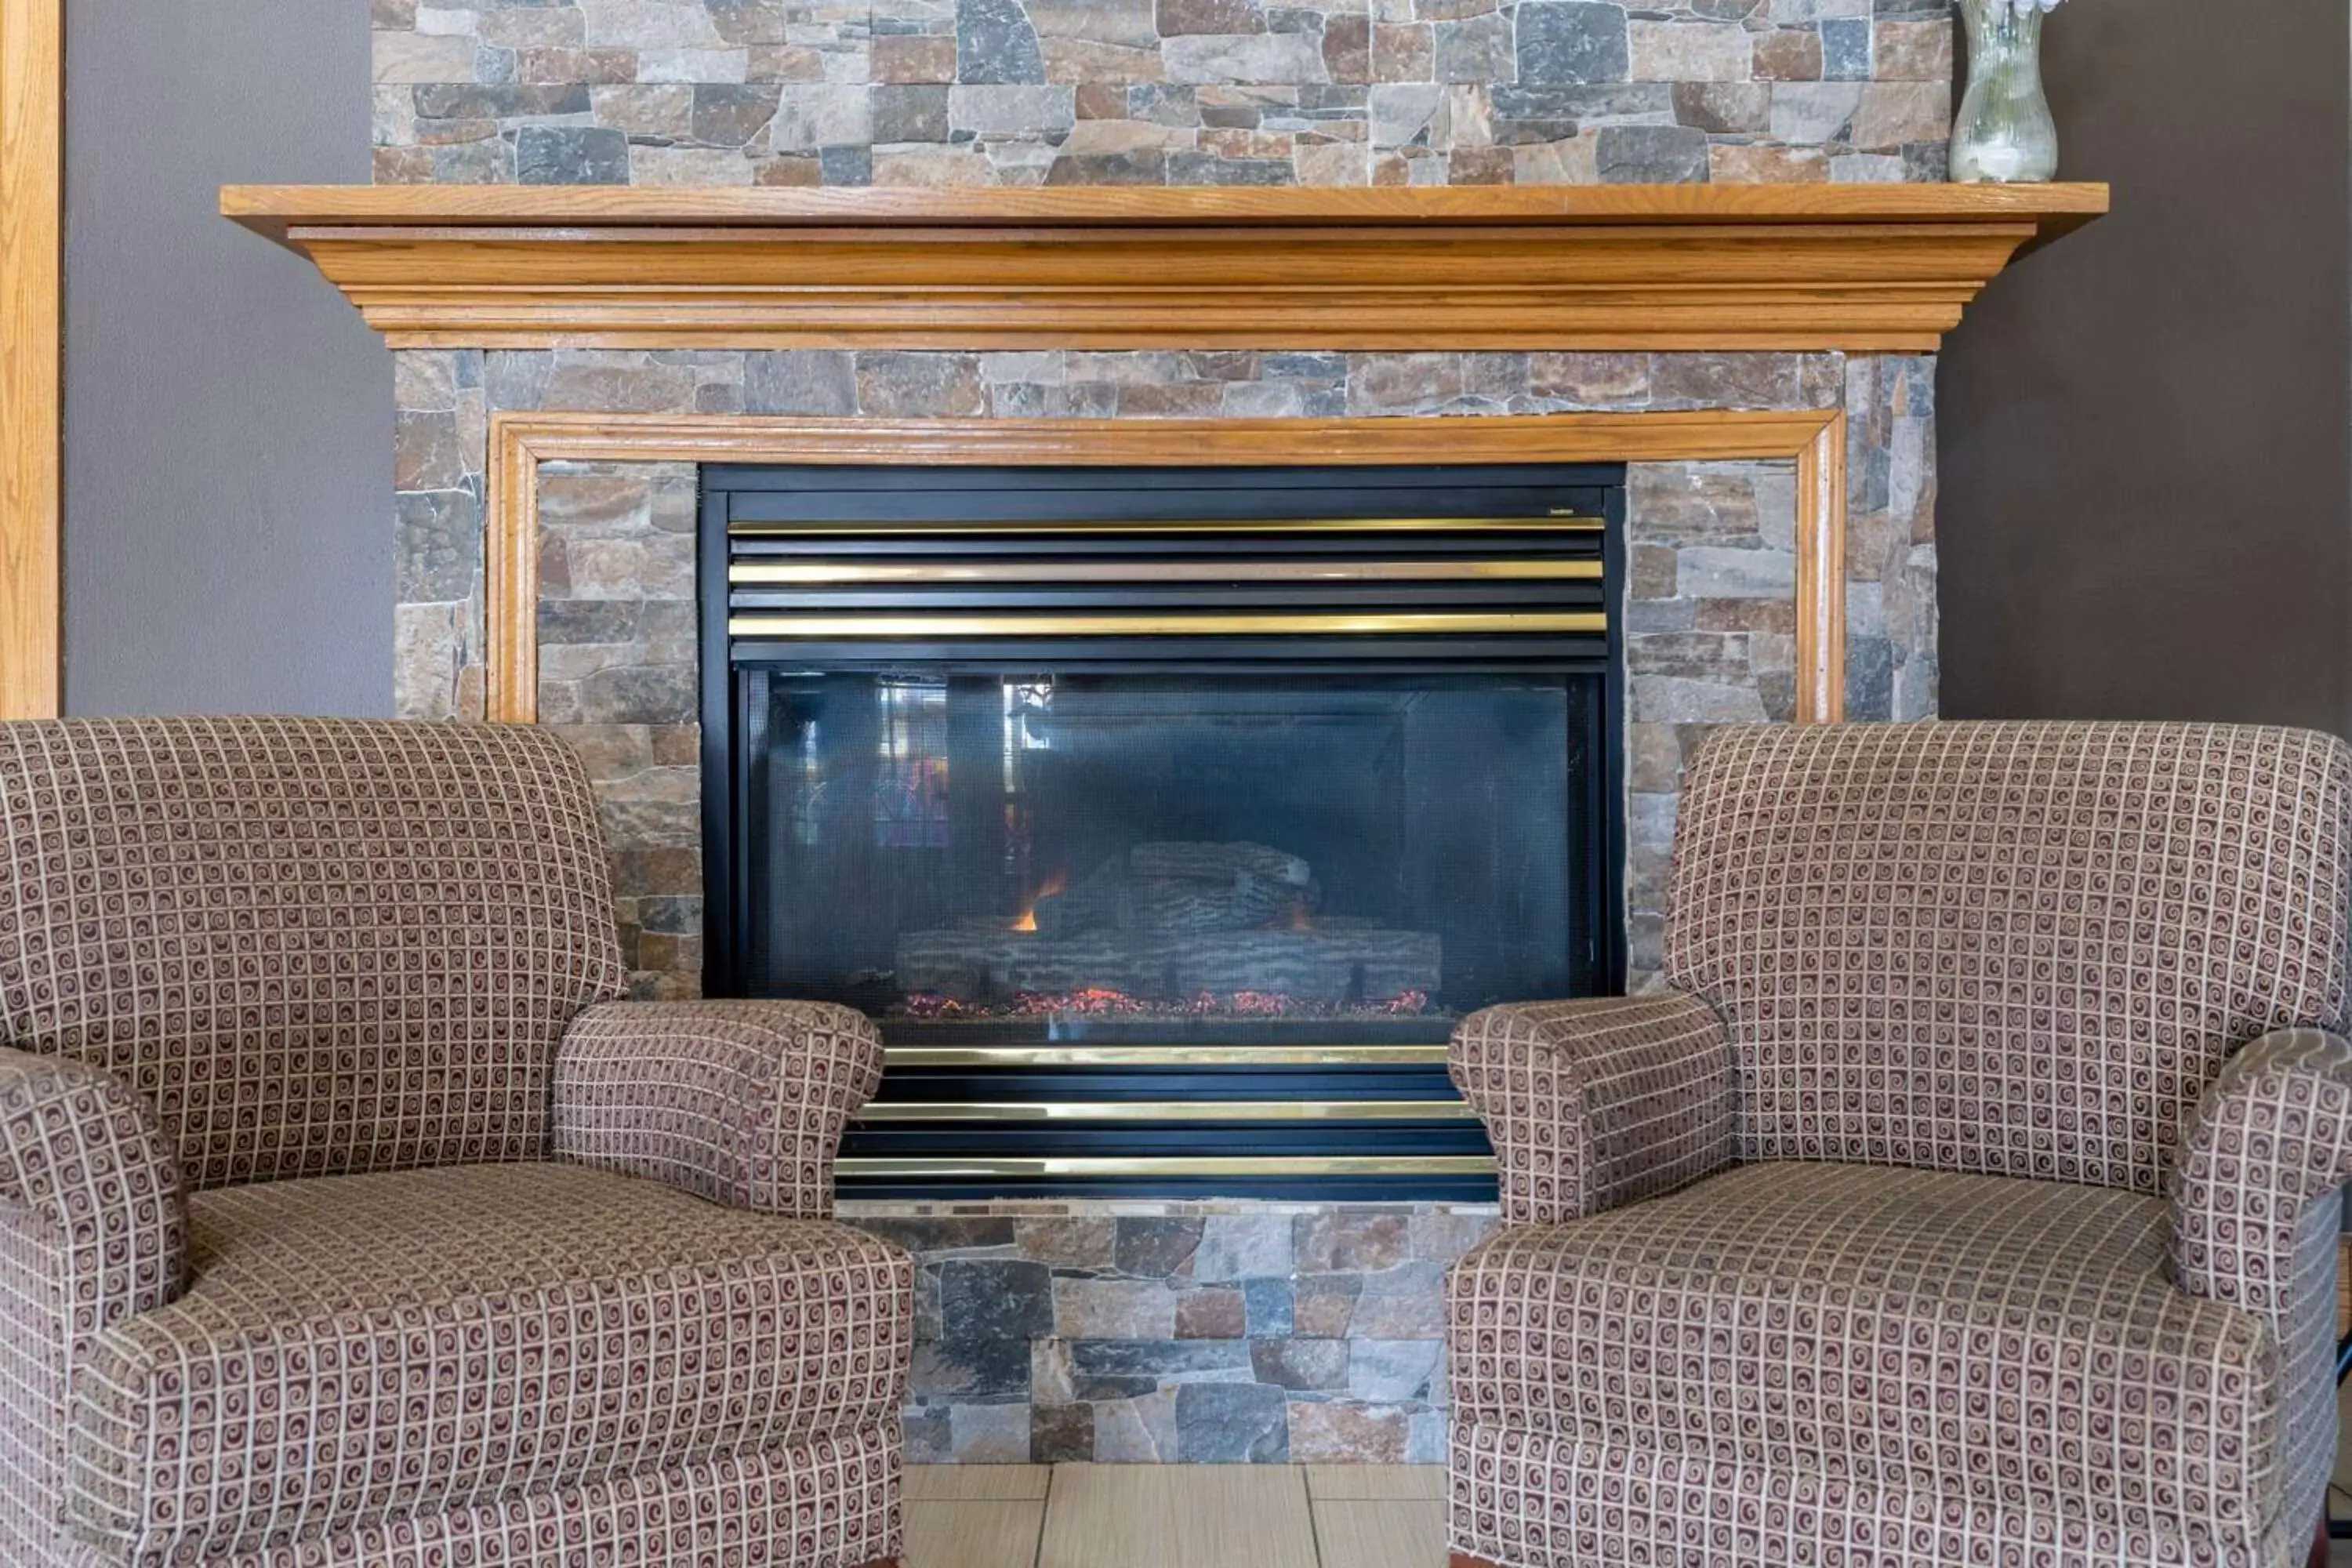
(1096, 855)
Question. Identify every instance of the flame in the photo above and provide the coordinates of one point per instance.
(1051, 886)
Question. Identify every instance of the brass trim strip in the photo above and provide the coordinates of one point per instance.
(851, 529)
(1434, 623)
(944, 1166)
(1162, 1056)
(798, 574)
(1172, 1111)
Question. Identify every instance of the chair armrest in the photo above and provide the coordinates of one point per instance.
(2270, 1139)
(1595, 1103)
(84, 1155)
(742, 1102)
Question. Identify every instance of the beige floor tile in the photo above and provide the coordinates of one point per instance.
(1374, 1483)
(1178, 1516)
(973, 1534)
(976, 1483)
(1381, 1535)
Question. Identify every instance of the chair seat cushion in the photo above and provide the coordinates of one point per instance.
(2012, 1345)
(355, 1348)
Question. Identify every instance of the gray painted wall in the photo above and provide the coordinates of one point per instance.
(2147, 502)
(228, 416)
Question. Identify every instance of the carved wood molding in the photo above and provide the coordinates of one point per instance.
(31, 190)
(1815, 440)
(1717, 267)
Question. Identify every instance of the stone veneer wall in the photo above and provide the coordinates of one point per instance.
(1190, 1330)
(1179, 1332)
(804, 92)
(1709, 614)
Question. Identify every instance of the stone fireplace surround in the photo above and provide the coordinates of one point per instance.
(1127, 1331)
(1121, 1330)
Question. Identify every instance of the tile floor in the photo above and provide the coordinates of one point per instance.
(1218, 1516)
(1175, 1516)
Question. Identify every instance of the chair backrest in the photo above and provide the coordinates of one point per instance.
(316, 946)
(2021, 948)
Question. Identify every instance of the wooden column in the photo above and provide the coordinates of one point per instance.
(31, 192)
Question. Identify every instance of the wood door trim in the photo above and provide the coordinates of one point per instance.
(1814, 439)
(31, 230)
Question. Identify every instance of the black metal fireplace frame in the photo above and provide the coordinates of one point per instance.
(874, 505)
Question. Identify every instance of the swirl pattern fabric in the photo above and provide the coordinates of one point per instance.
(2017, 949)
(1594, 1103)
(742, 1102)
(828, 1503)
(83, 1153)
(292, 1271)
(361, 1347)
(2272, 1137)
(2253, 1220)
(314, 946)
(2023, 1253)
(1523, 1497)
(93, 1227)
(2010, 1347)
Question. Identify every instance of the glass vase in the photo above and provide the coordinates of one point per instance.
(2004, 131)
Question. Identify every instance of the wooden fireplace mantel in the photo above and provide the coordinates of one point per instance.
(1701, 267)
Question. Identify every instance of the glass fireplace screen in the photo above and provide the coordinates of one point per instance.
(1166, 829)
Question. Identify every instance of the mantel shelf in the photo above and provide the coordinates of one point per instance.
(1709, 267)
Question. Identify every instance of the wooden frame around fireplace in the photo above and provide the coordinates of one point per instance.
(1814, 439)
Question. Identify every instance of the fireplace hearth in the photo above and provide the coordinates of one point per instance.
(1165, 819)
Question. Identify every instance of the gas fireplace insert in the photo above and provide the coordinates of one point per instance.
(1165, 820)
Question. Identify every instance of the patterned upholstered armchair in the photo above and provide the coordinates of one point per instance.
(1963, 1198)
(348, 1218)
